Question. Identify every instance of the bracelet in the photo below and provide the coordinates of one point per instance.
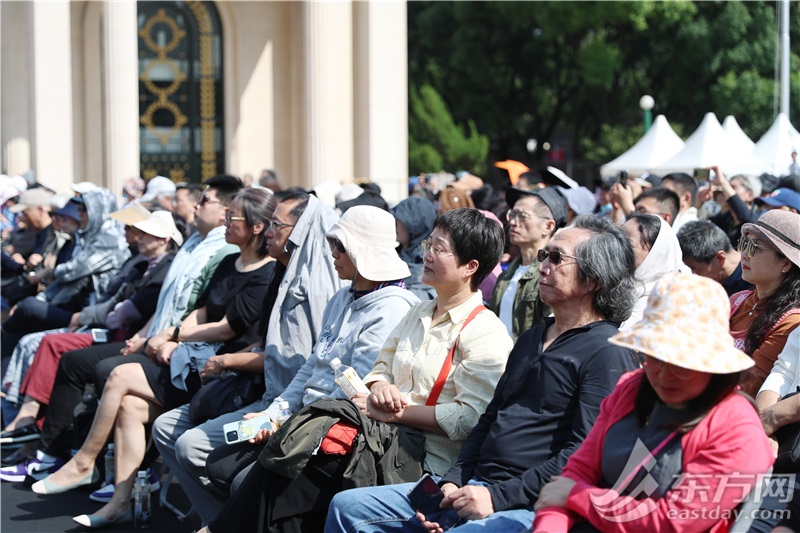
(176, 333)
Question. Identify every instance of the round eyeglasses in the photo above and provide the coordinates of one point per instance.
(428, 247)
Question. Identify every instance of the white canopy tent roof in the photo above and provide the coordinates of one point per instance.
(737, 137)
(656, 146)
(710, 145)
(775, 147)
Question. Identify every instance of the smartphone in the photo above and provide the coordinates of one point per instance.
(425, 497)
(99, 336)
(702, 174)
(245, 429)
(623, 178)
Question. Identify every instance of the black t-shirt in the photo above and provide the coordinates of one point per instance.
(239, 296)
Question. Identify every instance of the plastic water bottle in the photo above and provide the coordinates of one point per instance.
(347, 378)
(142, 515)
(109, 462)
(286, 413)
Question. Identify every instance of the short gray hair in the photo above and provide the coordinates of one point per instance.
(749, 182)
(701, 240)
(606, 258)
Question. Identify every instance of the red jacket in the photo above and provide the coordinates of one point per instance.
(729, 440)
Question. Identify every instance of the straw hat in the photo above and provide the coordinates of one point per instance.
(686, 324)
(160, 224)
(782, 228)
(369, 236)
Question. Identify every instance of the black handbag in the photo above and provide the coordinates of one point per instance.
(788, 437)
(230, 391)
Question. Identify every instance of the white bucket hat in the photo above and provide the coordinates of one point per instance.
(160, 224)
(369, 236)
(686, 324)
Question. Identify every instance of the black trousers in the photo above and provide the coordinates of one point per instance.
(284, 505)
(76, 369)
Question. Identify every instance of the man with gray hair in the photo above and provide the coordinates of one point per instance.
(709, 253)
(543, 406)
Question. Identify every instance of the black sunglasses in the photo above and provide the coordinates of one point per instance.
(336, 245)
(555, 256)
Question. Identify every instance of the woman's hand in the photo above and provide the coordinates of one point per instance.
(263, 434)
(361, 399)
(214, 366)
(74, 322)
(555, 493)
(386, 397)
(154, 344)
(773, 444)
(133, 345)
(165, 352)
(381, 415)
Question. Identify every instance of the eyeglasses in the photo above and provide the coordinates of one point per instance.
(555, 256)
(654, 365)
(206, 200)
(276, 225)
(229, 218)
(748, 247)
(336, 246)
(518, 214)
(428, 247)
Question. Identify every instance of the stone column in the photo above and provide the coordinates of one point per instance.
(381, 95)
(15, 88)
(328, 139)
(121, 93)
(51, 64)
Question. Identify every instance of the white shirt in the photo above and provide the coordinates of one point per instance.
(507, 301)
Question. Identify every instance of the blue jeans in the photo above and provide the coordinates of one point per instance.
(387, 509)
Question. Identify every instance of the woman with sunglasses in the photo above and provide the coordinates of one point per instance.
(762, 319)
(463, 248)
(676, 446)
(227, 319)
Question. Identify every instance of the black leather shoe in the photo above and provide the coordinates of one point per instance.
(19, 435)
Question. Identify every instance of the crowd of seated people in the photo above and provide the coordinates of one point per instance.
(625, 350)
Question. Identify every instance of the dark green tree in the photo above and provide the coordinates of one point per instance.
(576, 70)
(436, 142)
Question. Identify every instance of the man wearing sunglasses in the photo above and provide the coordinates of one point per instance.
(544, 404)
(533, 219)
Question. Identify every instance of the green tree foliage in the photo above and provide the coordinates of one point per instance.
(539, 70)
(436, 142)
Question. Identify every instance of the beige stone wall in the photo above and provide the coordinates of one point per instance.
(316, 91)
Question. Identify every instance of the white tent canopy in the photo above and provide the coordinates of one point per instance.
(656, 146)
(737, 137)
(775, 147)
(710, 145)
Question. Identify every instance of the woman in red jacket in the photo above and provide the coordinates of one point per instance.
(676, 446)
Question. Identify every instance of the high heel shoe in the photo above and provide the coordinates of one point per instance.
(94, 521)
(46, 486)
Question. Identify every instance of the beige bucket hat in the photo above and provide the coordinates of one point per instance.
(686, 324)
(369, 236)
(160, 224)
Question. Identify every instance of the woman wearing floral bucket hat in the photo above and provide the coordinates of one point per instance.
(671, 438)
(762, 319)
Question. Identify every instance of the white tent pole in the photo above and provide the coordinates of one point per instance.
(784, 77)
